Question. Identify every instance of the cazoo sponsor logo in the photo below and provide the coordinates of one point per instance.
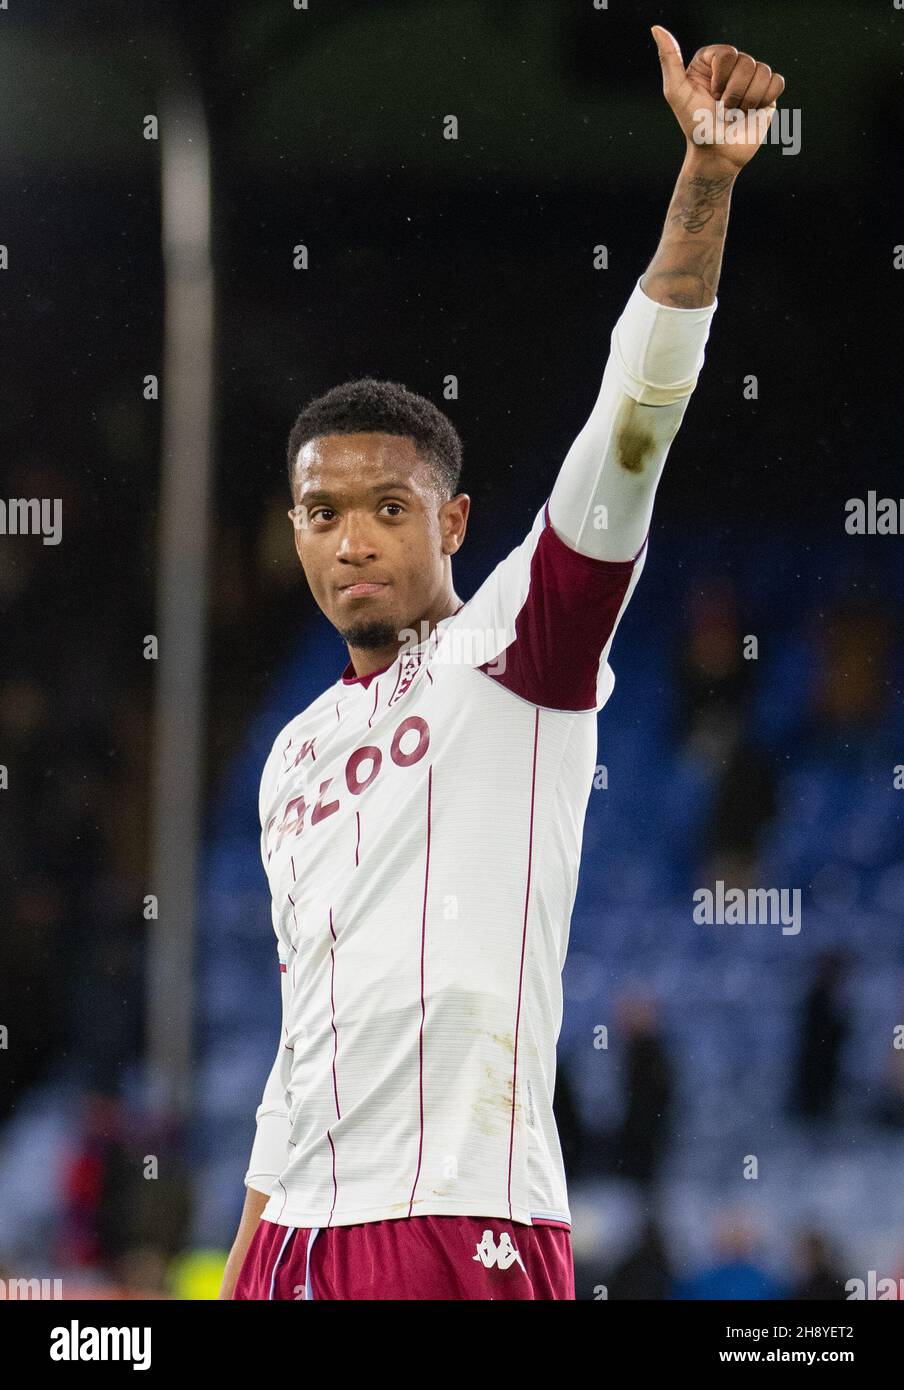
(362, 767)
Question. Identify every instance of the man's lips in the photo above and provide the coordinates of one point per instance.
(362, 589)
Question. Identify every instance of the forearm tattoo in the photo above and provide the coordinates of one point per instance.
(698, 199)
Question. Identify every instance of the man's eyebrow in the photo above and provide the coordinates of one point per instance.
(391, 485)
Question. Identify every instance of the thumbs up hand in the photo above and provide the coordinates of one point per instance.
(717, 81)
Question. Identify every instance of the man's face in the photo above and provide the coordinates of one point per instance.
(374, 535)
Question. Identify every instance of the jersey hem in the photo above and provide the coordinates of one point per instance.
(323, 1220)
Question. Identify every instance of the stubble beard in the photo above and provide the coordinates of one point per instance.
(369, 636)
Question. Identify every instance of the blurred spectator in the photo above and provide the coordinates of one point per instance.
(889, 1109)
(853, 671)
(645, 1272)
(715, 683)
(126, 1192)
(737, 1271)
(819, 1276)
(823, 1032)
(713, 678)
(95, 1226)
(643, 1136)
(745, 804)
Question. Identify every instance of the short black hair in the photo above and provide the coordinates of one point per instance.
(385, 407)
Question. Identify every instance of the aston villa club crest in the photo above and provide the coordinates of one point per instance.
(408, 668)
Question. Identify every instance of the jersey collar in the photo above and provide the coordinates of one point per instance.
(349, 677)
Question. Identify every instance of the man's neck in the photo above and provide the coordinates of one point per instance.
(366, 661)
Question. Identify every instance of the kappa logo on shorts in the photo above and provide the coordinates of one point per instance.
(501, 1255)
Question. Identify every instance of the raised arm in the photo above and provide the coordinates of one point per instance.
(554, 603)
(602, 499)
(684, 273)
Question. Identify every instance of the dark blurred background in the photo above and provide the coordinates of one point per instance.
(473, 257)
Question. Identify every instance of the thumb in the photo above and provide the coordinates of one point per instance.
(669, 54)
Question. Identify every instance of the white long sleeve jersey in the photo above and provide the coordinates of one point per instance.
(421, 832)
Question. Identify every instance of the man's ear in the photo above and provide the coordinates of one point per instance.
(455, 522)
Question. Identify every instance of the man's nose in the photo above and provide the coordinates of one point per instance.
(355, 538)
